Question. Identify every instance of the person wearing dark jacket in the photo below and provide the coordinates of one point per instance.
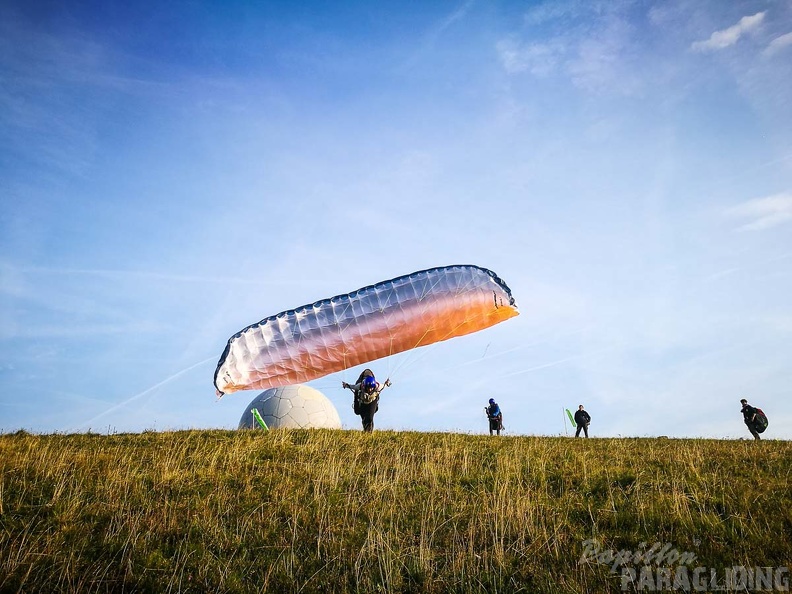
(749, 416)
(495, 416)
(582, 420)
(367, 394)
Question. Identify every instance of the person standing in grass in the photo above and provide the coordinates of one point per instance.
(495, 416)
(367, 394)
(582, 420)
(750, 417)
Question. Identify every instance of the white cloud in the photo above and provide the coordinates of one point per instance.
(540, 59)
(666, 14)
(457, 15)
(603, 60)
(763, 213)
(599, 58)
(778, 44)
(552, 11)
(727, 37)
(432, 36)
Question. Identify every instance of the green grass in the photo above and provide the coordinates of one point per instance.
(343, 511)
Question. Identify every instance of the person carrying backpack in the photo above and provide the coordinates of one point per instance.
(754, 419)
(367, 393)
(495, 416)
(582, 420)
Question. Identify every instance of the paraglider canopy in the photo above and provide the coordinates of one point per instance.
(407, 312)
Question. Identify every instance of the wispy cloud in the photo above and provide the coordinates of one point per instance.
(155, 276)
(80, 330)
(720, 274)
(434, 34)
(603, 59)
(554, 11)
(594, 57)
(598, 48)
(778, 44)
(457, 15)
(143, 393)
(763, 213)
(540, 59)
(728, 37)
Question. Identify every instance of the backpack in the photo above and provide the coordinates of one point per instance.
(761, 422)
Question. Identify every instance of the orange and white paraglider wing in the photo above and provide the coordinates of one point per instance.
(393, 316)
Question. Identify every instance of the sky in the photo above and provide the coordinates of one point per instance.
(173, 172)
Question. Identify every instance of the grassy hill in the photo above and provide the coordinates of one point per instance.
(343, 511)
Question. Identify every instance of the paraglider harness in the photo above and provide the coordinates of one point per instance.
(364, 398)
(755, 418)
(760, 422)
(496, 419)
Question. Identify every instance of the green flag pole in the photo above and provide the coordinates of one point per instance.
(259, 420)
(571, 418)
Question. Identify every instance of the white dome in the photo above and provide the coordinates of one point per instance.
(297, 406)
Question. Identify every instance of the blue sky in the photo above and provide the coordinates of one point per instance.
(172, 172)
